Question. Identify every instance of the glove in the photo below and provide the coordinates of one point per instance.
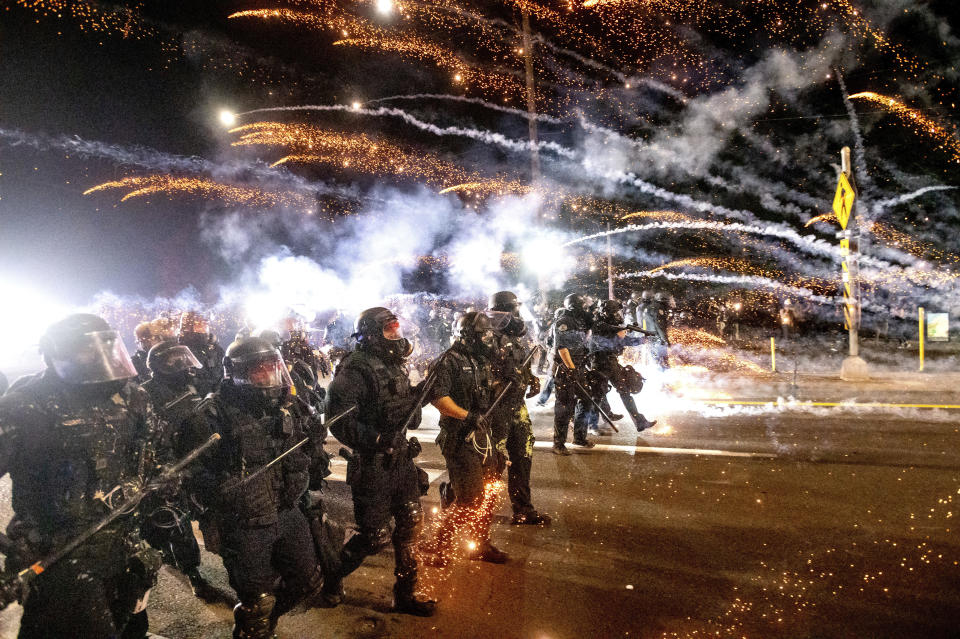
(534, 386)
(477, 423)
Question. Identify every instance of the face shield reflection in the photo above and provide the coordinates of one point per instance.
(399, 328)
(180, 358)
(92, 358)
(266, 373)
(499, 320)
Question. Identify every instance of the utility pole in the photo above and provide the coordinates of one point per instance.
(609, 264)
(853, 367)
(531, 98)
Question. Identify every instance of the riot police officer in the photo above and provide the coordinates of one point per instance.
(195, 335)
(168, 525)
(74, 439)
(296, 348)
(655, 320)
(147, 337)
(510, 365)
(463, 392)
(607, 342)
(263, 535)
(383, 478)
(570, 357)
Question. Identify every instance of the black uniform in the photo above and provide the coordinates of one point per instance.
(263, 534)
(570, 332)
(655, 319)
(139, 360)
(68, 449)
(606, 346)
(297, 348)
(210, 354)
(383, 479)
(464, 375)
(468, 380)
(167, 523)
(512, 427)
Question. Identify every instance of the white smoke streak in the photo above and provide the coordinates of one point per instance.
(809, 243)
(859, 149)
(477, 101)
(752, 281)
(487, 137)
(880, 205)
(155, 160)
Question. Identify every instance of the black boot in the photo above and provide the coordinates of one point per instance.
(642, 423)
(489, 553)
(202, 589)
(407, 602)
(405, 599)
(256, 620)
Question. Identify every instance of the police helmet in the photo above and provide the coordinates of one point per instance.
(256, 367)
(170, 358)
(84, 349)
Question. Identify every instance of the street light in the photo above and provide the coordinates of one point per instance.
(385, 7)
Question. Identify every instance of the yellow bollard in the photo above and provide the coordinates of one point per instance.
(922, 336)
(773, 355)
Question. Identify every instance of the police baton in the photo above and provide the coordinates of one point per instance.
(432, 377)
(246, 480)
(506, 388)
(11, 589)
(590, 398)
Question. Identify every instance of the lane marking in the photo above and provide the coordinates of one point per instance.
(667, 451)
(801, 404)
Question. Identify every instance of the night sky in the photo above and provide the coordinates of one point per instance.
(153, 76)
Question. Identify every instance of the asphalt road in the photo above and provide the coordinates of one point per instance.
(729, 521)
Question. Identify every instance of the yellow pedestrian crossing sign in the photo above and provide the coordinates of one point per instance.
(843, 201)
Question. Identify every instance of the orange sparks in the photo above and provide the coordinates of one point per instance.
(914, 118)
(202, 187)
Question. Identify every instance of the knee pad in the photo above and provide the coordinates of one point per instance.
(253, 617)
(409, 519)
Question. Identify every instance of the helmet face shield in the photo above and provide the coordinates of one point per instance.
(92, 358)
(499, 320)
(262, 373)
(176, 359)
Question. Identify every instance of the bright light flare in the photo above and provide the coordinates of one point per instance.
(228, 118)
(385, 7)
(26, 316)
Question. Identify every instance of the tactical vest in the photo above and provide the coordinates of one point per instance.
(74, 455)
(565, 322)
(508, 367)
(472, 388)
(390, 392)
(249, 443)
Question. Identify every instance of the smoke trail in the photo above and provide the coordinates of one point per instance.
(807, 242)
(135, 156)
(880, 205)
(152, 159)
(859, 149)
(459, 98)
(755, 281)
(679, 198)
(496, 139)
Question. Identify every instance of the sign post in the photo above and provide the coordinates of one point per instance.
(844, 201)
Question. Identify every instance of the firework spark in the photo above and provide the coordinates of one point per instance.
(915, 119)
(205, 188)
